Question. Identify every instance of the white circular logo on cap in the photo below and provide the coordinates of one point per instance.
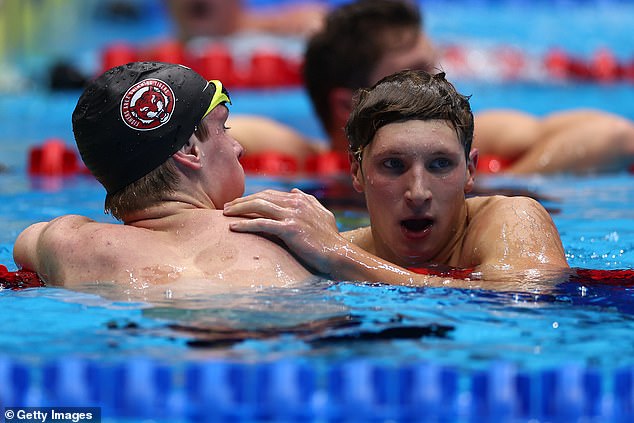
(147, 105)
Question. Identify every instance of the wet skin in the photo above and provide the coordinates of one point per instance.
(414, 176)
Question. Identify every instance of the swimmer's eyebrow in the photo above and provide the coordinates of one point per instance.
(434, 150)
(394, 151)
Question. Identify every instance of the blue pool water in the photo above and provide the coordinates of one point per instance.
(343, 349)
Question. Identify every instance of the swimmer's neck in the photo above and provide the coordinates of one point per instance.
(173, 206)
(453, 248)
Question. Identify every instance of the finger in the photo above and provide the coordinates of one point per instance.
(246, 198)
(274, 196)
(312, 201)
(259, 225)
(309, 197)
(298, 192)
(297, 198)
(258, 207)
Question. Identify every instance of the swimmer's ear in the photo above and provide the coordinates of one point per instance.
(189, 155)
(472, 165)
(355, 172)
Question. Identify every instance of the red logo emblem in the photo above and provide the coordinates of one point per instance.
(147, 105)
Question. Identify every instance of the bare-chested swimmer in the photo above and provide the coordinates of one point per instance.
(154, 136)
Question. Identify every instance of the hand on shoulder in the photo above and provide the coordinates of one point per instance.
(297, 218)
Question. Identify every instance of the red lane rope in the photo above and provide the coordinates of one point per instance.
(507, 63)
(271, 67)
(616, 277)
(20, 279)
(612, 277)
(263, 68)
(55, 158)
(443, 271)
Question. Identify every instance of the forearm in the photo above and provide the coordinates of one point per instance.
(347, 261)
(350, 262)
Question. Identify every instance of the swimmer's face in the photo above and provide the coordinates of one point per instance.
(220, 164)
(408, 49)
(199, 18)
(414, 179)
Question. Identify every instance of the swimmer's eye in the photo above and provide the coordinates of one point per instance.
(393, 164)
(225, 127)
(440, 164)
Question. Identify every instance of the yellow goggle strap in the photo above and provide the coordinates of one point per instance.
(220, 96)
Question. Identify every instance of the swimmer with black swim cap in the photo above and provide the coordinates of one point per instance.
(155, 136)
(130, 112)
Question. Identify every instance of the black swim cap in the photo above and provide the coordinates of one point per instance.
(132, 118)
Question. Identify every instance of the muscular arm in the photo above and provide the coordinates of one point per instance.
(576, 141)
(39, 247)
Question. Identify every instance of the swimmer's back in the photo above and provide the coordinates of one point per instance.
(191, 245)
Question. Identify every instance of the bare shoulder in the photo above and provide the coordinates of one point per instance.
(515, 231)
(33, 247)
(505, 217)
(69, 221)
(492, 207)
(66, 228)
(59, 226)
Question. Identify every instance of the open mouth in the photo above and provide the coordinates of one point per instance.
(416, 225)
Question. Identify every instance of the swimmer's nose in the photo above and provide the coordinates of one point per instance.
(417, 192)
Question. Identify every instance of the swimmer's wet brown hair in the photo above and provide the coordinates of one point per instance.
(408, 95)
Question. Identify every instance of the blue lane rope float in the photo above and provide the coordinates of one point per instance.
(295, 390)
(301, 390)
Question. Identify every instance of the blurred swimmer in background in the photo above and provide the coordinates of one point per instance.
(362, 41)
(212, 18)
